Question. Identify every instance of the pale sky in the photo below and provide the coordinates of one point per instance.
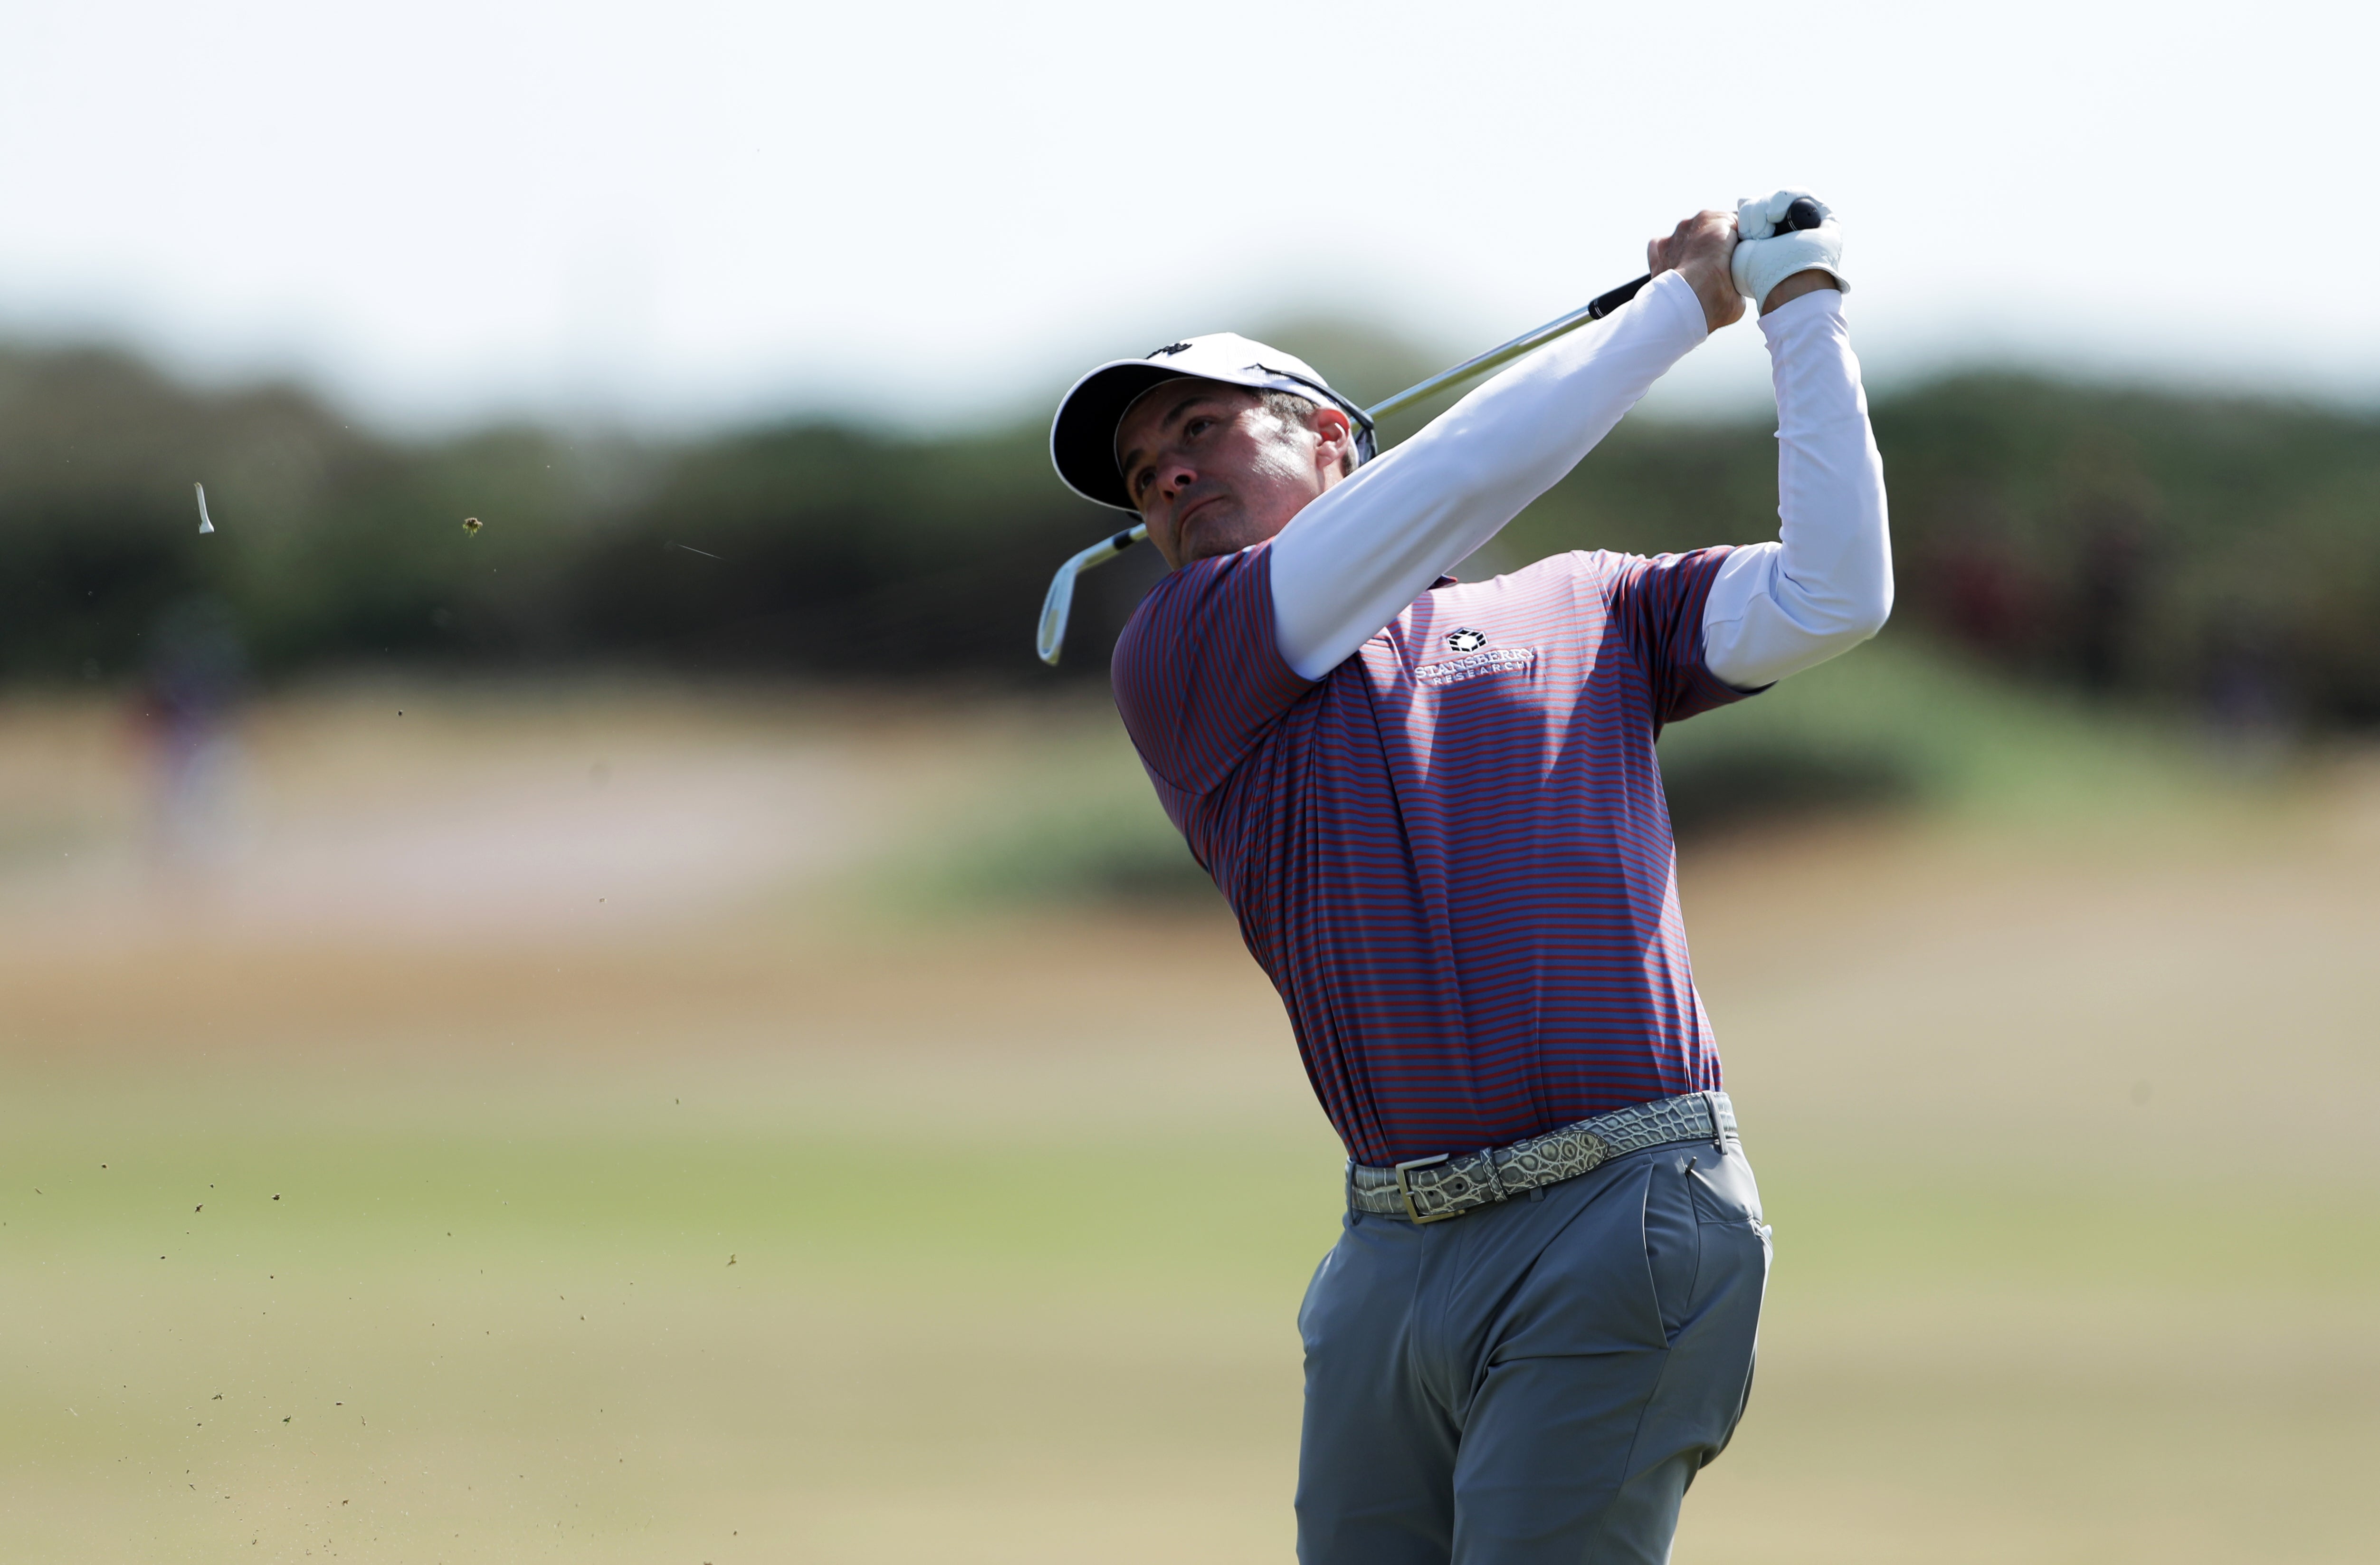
(676, 215)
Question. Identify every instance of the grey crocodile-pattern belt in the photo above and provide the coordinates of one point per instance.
(1433, 1189)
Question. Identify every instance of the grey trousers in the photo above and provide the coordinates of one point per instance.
(1536, 1381)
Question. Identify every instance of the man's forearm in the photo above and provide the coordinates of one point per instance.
(1360, 553)
(1826, 585)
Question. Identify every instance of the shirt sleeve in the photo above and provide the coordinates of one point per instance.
(1826, 584)
(1355, 557)
(1197, 676)
(1659, 604)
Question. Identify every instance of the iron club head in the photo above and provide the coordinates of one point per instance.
(1051, 640)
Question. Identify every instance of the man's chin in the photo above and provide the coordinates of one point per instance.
(1205, 538)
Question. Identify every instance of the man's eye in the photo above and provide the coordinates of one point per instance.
(1197, 427)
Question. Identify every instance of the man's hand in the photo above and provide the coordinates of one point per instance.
(1777, 268)
(1699, 250)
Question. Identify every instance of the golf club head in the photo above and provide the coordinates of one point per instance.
(1050, 639)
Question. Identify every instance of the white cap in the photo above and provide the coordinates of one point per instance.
(1082, 437)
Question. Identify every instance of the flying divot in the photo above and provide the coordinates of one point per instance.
(471, 525)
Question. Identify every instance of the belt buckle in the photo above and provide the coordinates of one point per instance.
(1404, 1187)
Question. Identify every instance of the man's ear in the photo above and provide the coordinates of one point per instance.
(1336, 436)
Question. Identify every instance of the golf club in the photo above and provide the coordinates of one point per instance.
(1052, 638)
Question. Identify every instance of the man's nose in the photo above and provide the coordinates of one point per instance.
(1177, 479)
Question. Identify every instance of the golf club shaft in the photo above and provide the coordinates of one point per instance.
(1802, 214)
(1497, 358)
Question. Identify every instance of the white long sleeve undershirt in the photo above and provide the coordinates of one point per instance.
(1367, 547)
(1825, 584)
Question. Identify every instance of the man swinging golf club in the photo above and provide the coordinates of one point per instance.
(1435, 808)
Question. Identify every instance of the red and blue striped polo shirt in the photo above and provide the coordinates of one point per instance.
(1451, 854)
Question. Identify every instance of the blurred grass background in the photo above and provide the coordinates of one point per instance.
(767, 1197)
(552, 1043)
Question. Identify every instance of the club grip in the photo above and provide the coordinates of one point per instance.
(1604, 304)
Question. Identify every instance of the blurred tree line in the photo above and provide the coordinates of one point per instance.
(2219, 552)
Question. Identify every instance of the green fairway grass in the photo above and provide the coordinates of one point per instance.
(2063, 1134)
(468, 1344)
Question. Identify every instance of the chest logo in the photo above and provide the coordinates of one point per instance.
(1476, 662)
(1466, 640)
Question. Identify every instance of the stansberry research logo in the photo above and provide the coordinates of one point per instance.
(1466, 640)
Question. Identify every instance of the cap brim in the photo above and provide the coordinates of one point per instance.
(1082, 437)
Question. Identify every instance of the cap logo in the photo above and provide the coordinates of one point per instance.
(1466, 641)
(1170, 348)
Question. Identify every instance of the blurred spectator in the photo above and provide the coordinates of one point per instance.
(2252, 717)
(197, 680)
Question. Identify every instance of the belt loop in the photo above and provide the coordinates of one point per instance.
(1719, 1131)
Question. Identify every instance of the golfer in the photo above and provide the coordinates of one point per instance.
(1435, 808)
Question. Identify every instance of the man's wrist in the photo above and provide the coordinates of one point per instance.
(1794, 288)
(1713, 293)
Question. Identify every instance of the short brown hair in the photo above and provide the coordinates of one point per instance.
(1291, 408)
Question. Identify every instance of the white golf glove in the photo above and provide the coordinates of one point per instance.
(1765, 258)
